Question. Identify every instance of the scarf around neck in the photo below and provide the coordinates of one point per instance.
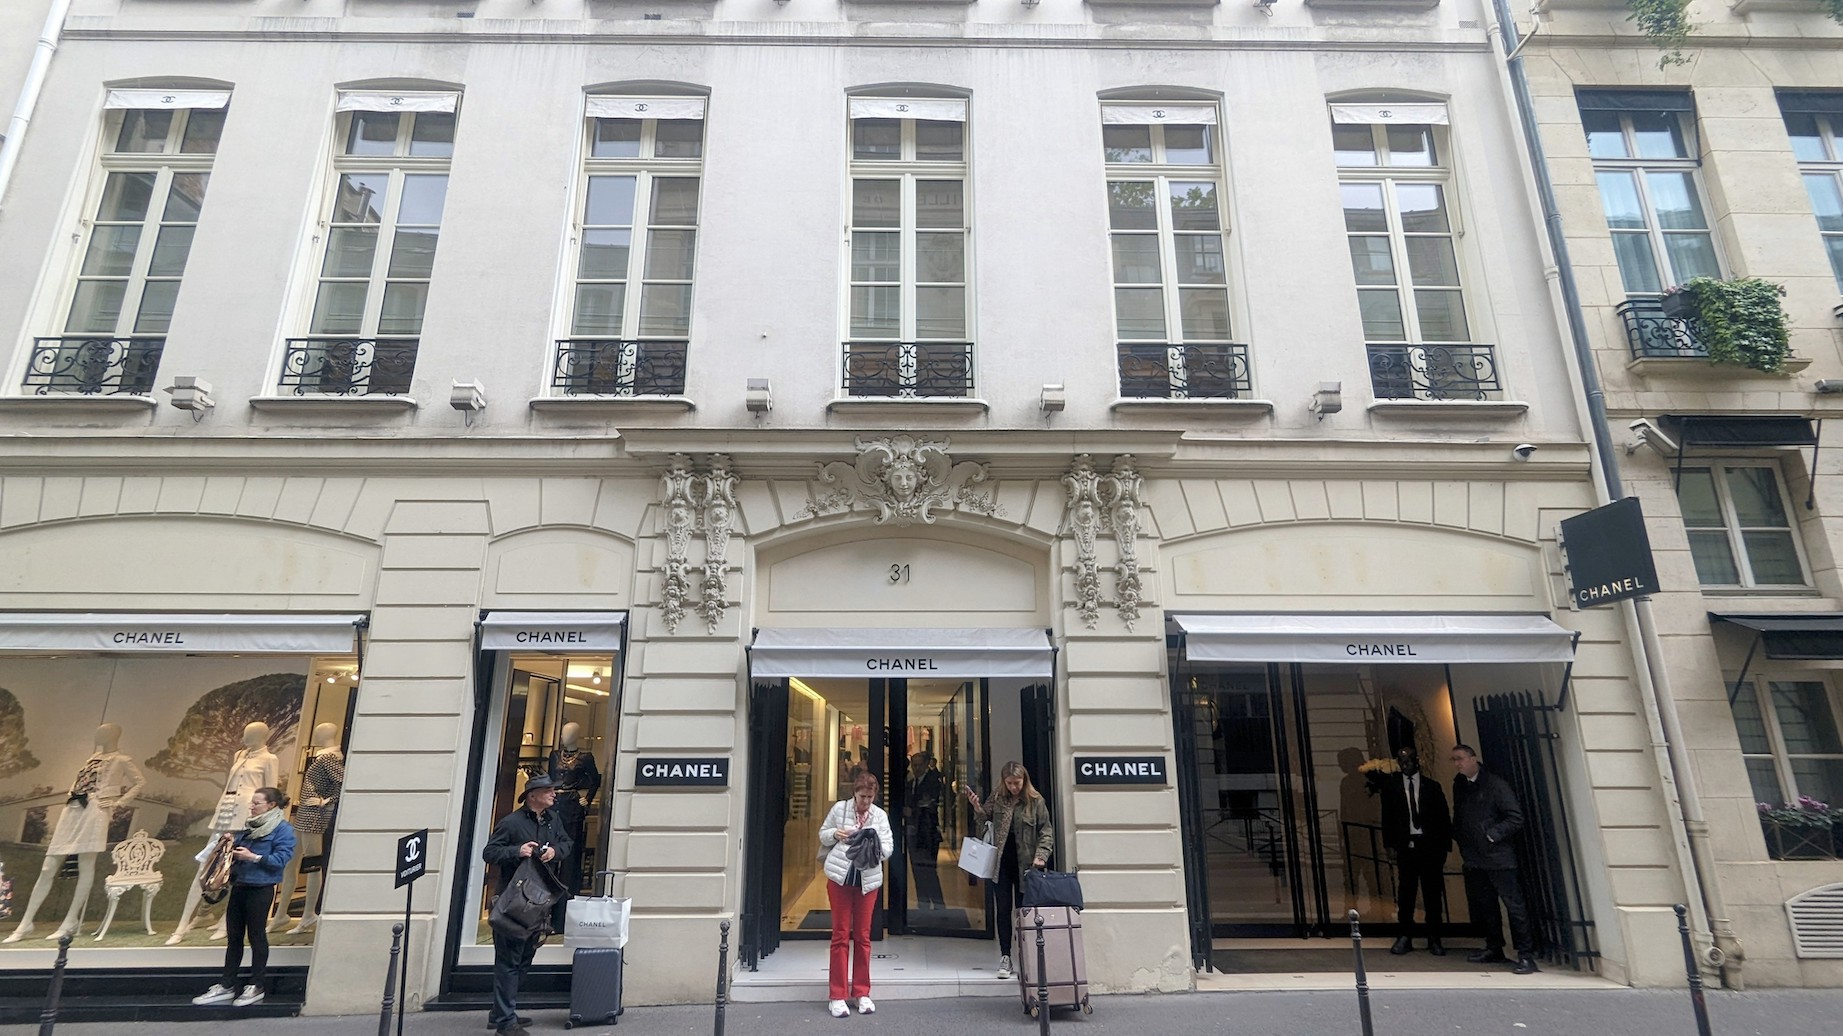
(264, 825)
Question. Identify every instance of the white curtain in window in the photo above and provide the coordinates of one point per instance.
(1424, 114)
(142, 99)
(1150, 114)
(413, 101)
(601, 106)
(934, 109)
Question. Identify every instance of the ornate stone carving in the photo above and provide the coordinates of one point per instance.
(1121, 492)
(906, 479)
(1084, 523)
(716, 496)
(678, 517)
(704, 502)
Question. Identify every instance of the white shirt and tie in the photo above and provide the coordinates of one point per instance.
(1411, 785)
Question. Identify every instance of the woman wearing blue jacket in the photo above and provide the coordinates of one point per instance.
(261, 851)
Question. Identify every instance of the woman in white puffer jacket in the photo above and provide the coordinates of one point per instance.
(853, 892)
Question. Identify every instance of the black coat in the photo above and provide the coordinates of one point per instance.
(1486, 817)
(1436, 821)
(521, 826)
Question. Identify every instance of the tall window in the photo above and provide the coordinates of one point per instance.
(1789, 738)
(1740, 529)
(909, 237)
(637, 244)
(1815, 123)
(383, 218)
(1643, 145)
(156, 163)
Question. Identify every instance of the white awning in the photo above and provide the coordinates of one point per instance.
(604, 106)
(1147, 114)
(936, 109)
(1426, 114)
(414, 101)
(551, 631)
(291, 634)
(167, 99)
(1374, 639)
(920, 653)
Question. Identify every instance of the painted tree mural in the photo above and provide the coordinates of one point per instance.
(15, 758)
(212, 731)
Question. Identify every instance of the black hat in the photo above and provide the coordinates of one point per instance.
(538, 783)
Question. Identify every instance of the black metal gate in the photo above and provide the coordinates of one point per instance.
(1516, 737)
(767, 830)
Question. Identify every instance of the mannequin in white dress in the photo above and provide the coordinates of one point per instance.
(108, 780)
(313, 823)
(254, 767)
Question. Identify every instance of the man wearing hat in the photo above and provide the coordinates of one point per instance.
(534, 829)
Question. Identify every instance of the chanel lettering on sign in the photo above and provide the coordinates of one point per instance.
(1121, 769)
(707, 771)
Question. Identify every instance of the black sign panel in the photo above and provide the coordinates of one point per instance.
(412, 857)
(703, 771)
(1121, 769)
(1609, 555)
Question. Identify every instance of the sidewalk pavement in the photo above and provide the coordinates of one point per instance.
(1593, 1012)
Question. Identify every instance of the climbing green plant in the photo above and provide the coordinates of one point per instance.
(1833, 8)
(1739, 321)
(1666, 23)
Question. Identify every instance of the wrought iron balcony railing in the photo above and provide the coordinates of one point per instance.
(1160, 370)
(93, 366)
(1655, 335)
(348, 366)
(1433, 372)
(617, 367)
(909, 369)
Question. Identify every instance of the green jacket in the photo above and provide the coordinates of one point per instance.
(1025, 825)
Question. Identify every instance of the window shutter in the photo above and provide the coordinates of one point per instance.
(1155, 114)
(933, 109)
(1635, 100)
(167, 99)
(604, 106)
(412, 101)
(1419, 113)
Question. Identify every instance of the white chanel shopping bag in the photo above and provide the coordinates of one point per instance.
(979, 857)
(596, 921)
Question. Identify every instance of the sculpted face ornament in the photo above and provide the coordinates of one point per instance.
(906, 479)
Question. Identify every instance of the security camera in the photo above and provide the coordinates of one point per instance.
(1523, 451)
(1649, 434)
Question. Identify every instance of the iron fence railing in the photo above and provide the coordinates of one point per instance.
(1433, 372)
(339, 366)
(1197, 370)
(1654, 334)
(620, 367)
(93, 365)
(908, 369)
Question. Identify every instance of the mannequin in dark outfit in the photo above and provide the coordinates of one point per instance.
(578, 779)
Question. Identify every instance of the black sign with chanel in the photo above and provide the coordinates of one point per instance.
(1609, 554)
(1121, 769)
(705, 771)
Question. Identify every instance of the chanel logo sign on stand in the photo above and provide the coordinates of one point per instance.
(1121, 769)
(704, 771)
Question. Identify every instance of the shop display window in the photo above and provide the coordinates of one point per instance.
(117, 770)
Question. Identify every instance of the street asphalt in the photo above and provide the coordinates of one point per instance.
(1598, 1012)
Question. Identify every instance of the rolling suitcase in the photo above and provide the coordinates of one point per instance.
(1065, 962)
(595, 986)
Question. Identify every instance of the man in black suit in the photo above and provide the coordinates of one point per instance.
(1418, 830)
(1486, 817)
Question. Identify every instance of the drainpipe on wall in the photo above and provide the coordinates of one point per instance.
(28, 93)
(1720, 947)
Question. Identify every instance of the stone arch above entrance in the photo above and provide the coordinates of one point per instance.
(565, 568)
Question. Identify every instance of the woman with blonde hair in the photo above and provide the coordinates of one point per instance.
(856, 838)
(1020, 822)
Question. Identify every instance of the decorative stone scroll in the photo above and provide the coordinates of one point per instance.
(696, 501)
(1122, 493)
(1084, 523)
(906, 479)
(1108, 502)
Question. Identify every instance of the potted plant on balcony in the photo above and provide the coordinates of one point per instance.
(1802, 830)
(1738, 320)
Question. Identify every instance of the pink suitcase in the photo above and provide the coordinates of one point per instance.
(1065, 962)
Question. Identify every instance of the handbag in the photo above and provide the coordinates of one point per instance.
(1051, 889)
(978, 856)
(522, 910)
(214, 879)
(597, 920)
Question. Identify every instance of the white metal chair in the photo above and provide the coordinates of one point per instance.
(137, 865)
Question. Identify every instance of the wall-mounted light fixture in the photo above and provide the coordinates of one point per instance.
(469, 397)
(758, 399)
(1329, 399)
(193, 394)
(1054, 399)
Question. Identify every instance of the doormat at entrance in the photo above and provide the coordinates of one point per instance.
(1376, 959)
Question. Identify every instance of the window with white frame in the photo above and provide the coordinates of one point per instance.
(141, 213)
(1790, 737)
(1644, 151)
(381, 224)
(1814, 121)
(909, 243)
(1740, 527)
(637, 226)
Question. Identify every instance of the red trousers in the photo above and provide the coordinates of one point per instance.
(850, 940)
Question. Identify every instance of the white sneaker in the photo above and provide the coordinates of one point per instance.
(1004, 968)
(217, 994)
(250, 995)
(866, 1006)
(838, 1009)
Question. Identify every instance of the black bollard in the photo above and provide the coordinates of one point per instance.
(1356, 945)
(388, 1007)
(723, 974)
(1042, 979)
(1694, 972)
(48, 1019)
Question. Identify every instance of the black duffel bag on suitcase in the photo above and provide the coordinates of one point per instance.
(1051, 889)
